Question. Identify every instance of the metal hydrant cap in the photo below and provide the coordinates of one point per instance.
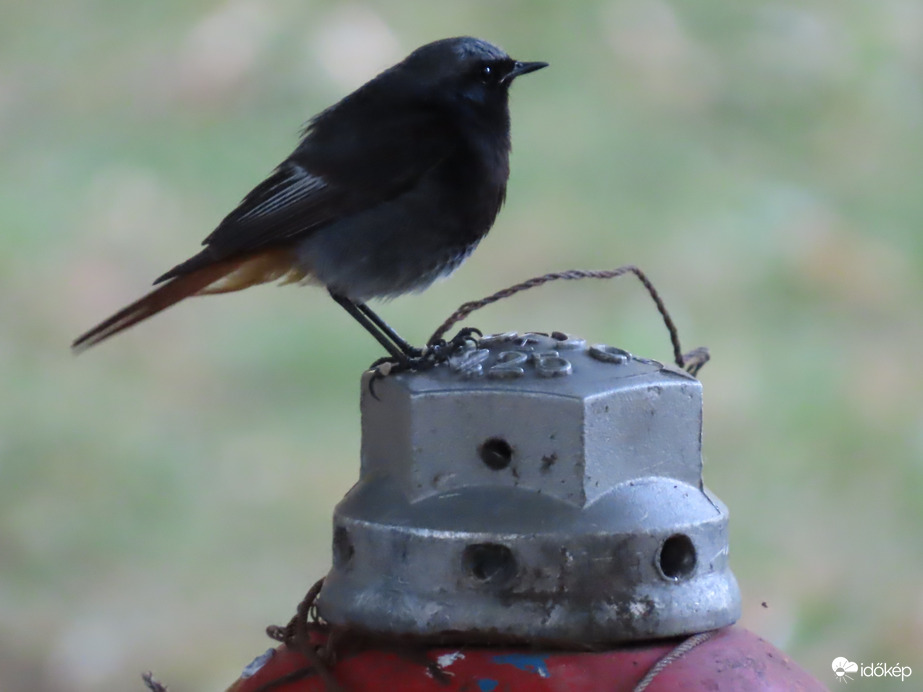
(533, 488)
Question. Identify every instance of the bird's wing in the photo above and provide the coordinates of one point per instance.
(290, 202)
(339, 171)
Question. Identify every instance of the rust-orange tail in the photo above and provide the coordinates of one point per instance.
(159, 299)
(217, 277)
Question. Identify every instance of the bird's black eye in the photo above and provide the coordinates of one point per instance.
(488, 74)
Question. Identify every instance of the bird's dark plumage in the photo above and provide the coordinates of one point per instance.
(388, 190)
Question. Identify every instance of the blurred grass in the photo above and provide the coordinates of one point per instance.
(164, 497)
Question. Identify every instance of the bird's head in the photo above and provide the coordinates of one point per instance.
(465, 70)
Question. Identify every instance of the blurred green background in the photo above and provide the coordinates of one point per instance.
(167, 495)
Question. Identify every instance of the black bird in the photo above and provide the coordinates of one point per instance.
(388, 190)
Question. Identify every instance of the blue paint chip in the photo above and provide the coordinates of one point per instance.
(526, 663)
(254, 666)
(487, 685)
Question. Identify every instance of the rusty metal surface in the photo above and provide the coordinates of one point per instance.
(731, 660)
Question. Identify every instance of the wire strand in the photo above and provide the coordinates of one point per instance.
(573, 275)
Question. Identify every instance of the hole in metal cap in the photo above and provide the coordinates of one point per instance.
(343, 549)
(677, 557)
(490, 563)
(496, 453)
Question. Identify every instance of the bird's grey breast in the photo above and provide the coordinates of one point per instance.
(405, 243)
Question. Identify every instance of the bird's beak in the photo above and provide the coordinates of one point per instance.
(523, 68)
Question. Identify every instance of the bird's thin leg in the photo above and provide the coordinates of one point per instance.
(377, 327)
(408, 350)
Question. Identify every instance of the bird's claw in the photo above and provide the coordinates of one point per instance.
(440, 351)
(420, 359)
(391, 365)
(385, 366)
(465, 335)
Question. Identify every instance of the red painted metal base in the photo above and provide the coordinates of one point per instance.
(732, 659)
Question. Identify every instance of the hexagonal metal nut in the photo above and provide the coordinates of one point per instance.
(607, 419)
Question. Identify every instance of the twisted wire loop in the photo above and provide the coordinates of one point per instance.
(692, 362)
(681, 650)
(296, 635)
